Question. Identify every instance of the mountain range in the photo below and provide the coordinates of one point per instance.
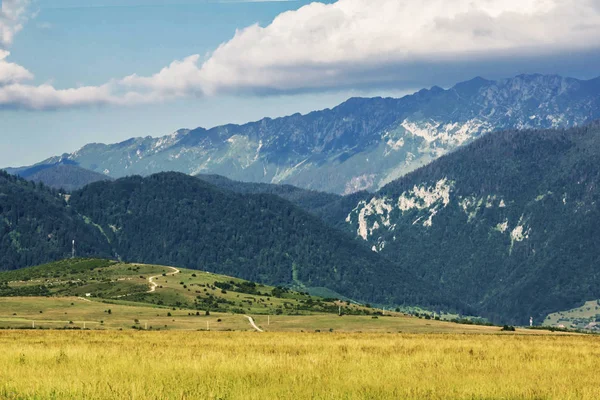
(361, 144)
(504, 227)
(499, 221)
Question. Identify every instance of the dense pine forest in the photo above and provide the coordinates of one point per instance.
(37, 226)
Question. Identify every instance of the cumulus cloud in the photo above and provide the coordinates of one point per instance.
(342, 43)
(10, 72)
(364, 42)
(350, 43)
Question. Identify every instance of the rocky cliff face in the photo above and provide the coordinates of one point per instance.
(508, 223)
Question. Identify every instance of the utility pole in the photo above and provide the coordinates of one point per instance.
(83, 324)
(73, 250)
(340, 311)
(269, 319)
(33, 324)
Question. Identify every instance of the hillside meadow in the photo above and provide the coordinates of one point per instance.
(251, 365)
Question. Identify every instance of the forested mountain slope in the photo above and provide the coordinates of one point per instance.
(510, 223)
(37, 226)
(309, 200)
(176, 219)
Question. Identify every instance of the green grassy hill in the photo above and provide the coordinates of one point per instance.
(135, 284)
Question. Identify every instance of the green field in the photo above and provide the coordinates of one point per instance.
(76, 313)
(80, 313)
(586, 317)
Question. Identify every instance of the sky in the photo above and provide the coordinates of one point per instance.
(74, 72)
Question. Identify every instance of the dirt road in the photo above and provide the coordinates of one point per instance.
(154, 285)
(251, 320)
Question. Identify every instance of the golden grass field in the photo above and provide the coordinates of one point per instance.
(251, 365)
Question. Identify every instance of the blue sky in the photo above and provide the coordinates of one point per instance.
(134, 58)
(69, 45)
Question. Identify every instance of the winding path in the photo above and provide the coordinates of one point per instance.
(251, 320)
(84, 299)
(154, 285)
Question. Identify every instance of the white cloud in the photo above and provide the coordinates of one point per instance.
(47, 97)
(10, 72)
(367, 42)
(12, 17)
(349, 43)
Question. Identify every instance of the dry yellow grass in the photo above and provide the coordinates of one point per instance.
(237, 365)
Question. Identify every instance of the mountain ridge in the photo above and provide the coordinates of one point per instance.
(361, 144)
(65, 175)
